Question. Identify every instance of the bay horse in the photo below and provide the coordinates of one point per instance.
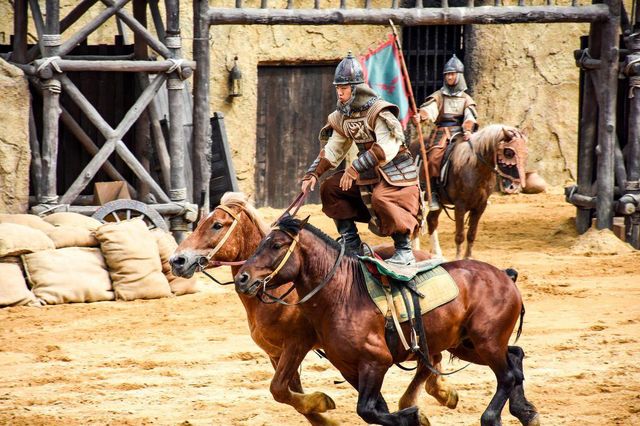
(474, 327)
(494, 151)
(229, 235)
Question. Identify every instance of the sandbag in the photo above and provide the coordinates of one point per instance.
(73, 219)
(13, 287)
(535, 183)
(131, 253)
(166, 246)
(30, 220)
(68, 275)
(70, 236)
(19, 239)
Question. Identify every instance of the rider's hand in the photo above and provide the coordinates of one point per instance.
(350, 174)
(308, 184)
(466, 135)
(416, 119)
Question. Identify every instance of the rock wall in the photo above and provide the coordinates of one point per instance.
(525, 75)
(15, 155)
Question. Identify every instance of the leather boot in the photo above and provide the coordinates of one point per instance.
(349, 231)
(435, 201)
(403, 254)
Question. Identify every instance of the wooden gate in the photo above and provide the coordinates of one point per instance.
(293, 104)
(426, 49)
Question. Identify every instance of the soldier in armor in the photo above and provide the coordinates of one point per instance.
(454, 112)
(386, 193)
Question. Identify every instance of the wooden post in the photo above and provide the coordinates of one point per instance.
(201, 108)
(586, 146)
(20, 26)
(143, 135)
(607, 116)
(175, 87)
(632, 71)
(51, 107)
(36, 161)
(157, 19)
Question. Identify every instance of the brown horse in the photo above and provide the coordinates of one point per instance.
(475, 326)
(495, 150)
(281, 331)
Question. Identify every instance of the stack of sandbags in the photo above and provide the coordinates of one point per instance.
(167, 245)
(17, 239)
(68, 275)
(133, 260)
(72, 230)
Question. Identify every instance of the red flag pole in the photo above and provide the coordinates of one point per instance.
(407, 83)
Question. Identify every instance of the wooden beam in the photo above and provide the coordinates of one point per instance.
(154, 67)
(36, 160)
(90, 27)
(607, 116)
(92, 148)
(140, 30)
(201, 106)
(20, 26)
(411, 17)
(142, 174)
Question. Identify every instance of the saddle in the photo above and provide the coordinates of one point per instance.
(446, 158)
(405, 293)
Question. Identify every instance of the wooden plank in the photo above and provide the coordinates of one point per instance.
(415, 16)
(78, 65)
(288, 143)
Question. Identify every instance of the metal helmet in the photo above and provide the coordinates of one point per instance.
(453, 65)
(348, 71)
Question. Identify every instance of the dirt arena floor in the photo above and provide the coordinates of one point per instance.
(189, 360)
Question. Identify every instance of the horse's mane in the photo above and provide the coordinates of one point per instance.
(484, 142)
(292, 225)
(239, 198)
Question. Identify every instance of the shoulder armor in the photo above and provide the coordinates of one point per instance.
(376, 108)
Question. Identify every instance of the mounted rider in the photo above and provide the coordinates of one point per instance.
(386, 194)
(454, 112)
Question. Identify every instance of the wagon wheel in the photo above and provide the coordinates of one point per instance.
(119, 210)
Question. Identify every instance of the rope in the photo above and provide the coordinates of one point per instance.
(51, 40)
(173, 42)
(178, 194)
(634, 83)
(51, 60)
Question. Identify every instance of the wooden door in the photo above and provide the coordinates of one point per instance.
(293, 104)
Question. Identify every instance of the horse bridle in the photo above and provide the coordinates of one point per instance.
(203, 262)
(495, 169)
(283, 261)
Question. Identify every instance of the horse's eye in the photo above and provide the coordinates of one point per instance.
(509, 153)
(277, 246)
(217, 225)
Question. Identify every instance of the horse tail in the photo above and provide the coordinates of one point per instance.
(513, 274)
(519, 332)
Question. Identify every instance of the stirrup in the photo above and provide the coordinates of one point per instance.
(435, 204)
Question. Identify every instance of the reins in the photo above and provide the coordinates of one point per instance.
(313, 292)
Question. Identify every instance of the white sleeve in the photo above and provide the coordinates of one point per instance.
(336, 148)
(386, 140)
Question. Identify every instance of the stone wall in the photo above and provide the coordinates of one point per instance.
(525, 76)
(15, 155)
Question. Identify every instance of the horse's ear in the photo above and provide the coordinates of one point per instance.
(507, 135)
(304, 221)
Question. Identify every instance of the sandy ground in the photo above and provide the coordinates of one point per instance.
(189, 360)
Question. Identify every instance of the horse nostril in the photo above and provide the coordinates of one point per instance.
(244, 278)
(178, 260)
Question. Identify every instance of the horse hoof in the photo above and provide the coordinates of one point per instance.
(452, 400)
(535, 421)
(320, 420)
(424, 421)
(317, 402)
